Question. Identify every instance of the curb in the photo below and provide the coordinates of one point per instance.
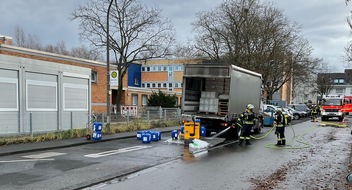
(70, 145)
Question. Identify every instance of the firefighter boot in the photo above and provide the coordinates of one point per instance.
(247, 142)
(240, 142)
(278, 143)
(283, 142)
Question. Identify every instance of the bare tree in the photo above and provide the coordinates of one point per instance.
(255, 36)
(136, 32)
(85, 53)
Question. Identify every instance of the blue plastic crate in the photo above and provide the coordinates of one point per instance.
(182, 129)
(97, 126)
(174, 134)
(155, 135)
(139, 135)
(203, 131)
(146, 137)
(97, 135)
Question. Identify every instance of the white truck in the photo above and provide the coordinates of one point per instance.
(218, 94)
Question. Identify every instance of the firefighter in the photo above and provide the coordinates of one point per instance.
(314, 113)
(248, 122)
(280, 127)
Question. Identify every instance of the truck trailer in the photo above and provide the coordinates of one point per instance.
(218, 94)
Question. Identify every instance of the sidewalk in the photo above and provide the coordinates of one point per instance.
(49, 145)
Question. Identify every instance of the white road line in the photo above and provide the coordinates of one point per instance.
(112, 152)
(29, 160)
(44, 155)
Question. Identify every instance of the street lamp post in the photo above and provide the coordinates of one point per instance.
(108, 68)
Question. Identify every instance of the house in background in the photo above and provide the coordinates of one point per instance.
(341, 82)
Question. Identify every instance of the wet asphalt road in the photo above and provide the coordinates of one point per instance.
(316, 158)
(160, 165)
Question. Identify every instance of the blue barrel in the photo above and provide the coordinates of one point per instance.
(155, 135)
(146, 137)
(97, 126)
(139, 135)
(182, 129)
(96, 135)
(174, 134)
(203, 131)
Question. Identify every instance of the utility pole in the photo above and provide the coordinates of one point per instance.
(108, 68)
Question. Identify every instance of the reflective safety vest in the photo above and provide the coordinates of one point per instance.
(248, 118)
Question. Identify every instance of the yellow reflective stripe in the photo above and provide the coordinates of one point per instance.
(248, 138)
(248, 122)
(241, 137)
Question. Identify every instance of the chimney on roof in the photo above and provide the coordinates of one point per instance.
(5, 40)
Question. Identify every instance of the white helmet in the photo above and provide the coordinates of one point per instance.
(250, 106)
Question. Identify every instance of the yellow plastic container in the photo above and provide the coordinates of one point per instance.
(191, 130)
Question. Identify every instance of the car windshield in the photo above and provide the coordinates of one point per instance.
(299, 107)
(332, 102)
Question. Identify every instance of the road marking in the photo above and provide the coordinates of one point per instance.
(112, 152)
(44, 155)
(29, 160)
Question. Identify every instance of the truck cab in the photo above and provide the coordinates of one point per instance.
(332, 106)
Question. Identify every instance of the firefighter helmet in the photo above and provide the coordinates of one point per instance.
(250, 106)
(279, 111)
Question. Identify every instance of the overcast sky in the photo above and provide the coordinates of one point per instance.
(323, 21)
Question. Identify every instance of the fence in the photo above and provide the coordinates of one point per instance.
(13, 124)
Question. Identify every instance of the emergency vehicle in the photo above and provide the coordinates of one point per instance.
(347, 107)
(332, 106)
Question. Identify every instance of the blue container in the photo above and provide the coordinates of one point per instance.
(96, 135)
(174, 134)
(203, 131)
(182, 129)
(155, 135)
(97, 126)
(139, 135)
(146, 137)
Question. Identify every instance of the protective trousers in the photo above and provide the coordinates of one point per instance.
(280, 133)
(245, 134)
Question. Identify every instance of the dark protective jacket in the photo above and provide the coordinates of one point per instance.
(280, 120)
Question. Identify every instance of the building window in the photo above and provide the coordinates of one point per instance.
(144, 100)
(339, 91)
(148, 85)
(94, 77)
(159, 68)
(136, 81)
(336, 81)
(153, 85)
(134, 99)
(341, 81)
(143, 85)
(148, 68)
(143, 68)
(176, 67)
(165, 68)
(164, 85)
(159, 85)
(176, 85)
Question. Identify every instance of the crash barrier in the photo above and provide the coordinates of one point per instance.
(148, 136)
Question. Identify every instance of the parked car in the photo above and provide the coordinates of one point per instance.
(297, 114)
(301, 107)
(271, 108)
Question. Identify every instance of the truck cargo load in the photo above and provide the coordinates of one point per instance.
(217, 94)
